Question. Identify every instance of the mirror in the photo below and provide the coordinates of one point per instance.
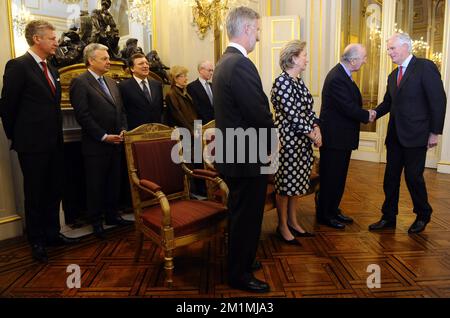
(64, 14)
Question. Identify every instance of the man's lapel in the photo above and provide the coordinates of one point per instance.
(409, 71)
(96, 85)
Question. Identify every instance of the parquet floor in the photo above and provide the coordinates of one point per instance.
(333, 264)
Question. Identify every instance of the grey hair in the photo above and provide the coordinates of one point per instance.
(289, 50)
(89, 51)
(36, 27)
(351, 52)
(403, 38)
(201, 64)
(238, 18)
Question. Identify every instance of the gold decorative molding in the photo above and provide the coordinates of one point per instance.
(10, 219)
(11, 29)
(311, 45)
(154, 39)
(269, 8)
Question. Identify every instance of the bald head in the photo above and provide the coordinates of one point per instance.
(354, 56)
(205, 70)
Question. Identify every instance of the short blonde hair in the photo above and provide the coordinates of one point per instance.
(289, 50)
(176, 71)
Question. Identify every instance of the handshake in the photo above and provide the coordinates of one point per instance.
(372, 115)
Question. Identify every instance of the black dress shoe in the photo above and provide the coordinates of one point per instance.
(343, 218)
(291, 242)
(331, 223)
(118, 220)
(62, 240)
(251, 284)
(39, 253)
(418, 226)
(99, 231)
(300, 234)
(382, 224)
(256, 266)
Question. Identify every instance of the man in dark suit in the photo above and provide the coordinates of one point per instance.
(201, 92)
(142, 97)
(240, 103)
(31, 115)
(416, 101)
(340, 117)
(99, 111)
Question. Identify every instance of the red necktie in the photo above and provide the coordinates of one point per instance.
(400, 75)
(52, 87)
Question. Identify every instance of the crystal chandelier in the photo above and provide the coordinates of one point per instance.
(140, 11)
(20, 18)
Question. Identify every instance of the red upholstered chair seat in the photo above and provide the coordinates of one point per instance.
(188, 216)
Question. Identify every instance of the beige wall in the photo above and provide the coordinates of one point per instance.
(10, 222)
(177, 42)
(318, 20)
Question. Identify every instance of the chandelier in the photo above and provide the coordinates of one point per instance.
(140, 11)
(207, 14)
(210, 14)
(20, 18)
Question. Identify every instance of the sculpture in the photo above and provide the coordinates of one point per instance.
(104, 29)
(156, 66)
(70, 49)
(130, 49)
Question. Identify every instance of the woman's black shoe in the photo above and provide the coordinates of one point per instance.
(300, 234)
(291, 242)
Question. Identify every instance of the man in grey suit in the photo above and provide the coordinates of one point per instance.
(99, 111)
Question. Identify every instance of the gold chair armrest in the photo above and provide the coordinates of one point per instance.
(155, 190)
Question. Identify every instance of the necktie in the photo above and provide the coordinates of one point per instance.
(45, 70)
(101, 80)
(209, 92)
(400, 75)
(146, 91)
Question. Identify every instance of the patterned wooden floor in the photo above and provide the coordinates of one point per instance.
(333, 264)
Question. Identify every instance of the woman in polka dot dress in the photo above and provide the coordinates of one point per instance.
(299, 130)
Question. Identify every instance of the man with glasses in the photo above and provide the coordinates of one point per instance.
(201, 92)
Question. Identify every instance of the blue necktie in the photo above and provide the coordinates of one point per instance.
(209, 92)
(146, 91)
(104, 87)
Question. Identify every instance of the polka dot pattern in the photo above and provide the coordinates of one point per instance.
(294, 118)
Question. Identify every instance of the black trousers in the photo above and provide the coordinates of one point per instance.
(333, 169)
(42, 184)
(246, 207)
(102, 185)
(412, 160)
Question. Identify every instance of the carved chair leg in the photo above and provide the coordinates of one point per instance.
(168, 266)
(139, 243)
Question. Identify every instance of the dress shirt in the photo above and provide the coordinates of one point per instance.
(38, 61)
